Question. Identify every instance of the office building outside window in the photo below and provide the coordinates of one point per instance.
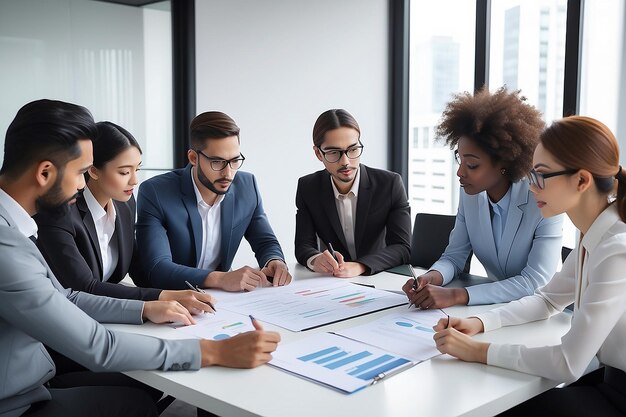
(441, 65)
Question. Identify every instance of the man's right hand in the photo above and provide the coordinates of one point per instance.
(242, 279)
(325, 263)
(246, 350)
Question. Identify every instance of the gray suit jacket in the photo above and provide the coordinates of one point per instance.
(36, 309)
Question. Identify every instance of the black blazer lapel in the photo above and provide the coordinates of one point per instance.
(124, 234)
(90, 226)
(364, 200)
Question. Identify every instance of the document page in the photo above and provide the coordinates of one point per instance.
(219, 326)
(409, 334)
(309, 303)
(338, 362)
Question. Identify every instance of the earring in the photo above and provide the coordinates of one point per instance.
(503, 171)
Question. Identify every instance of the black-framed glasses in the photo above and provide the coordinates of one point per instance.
(218, 164)
(334, 155)
(538, 178)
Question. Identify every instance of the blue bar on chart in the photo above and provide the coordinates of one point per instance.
(382, 369)
(349, 359)
(371, 364)
(317, 354)
(330, 358)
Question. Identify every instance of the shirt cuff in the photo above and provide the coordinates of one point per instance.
(446, 269)
(309, 262)
(491, 320)
(275, 259)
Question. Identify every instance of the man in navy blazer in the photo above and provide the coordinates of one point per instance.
(190, 221)
(360, 214)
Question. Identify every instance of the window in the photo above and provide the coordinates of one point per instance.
(441, 64)
(603, 78)
(527, 51)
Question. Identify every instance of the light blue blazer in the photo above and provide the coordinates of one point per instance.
(529, 250)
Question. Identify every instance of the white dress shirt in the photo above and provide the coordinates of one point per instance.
(595, 281)
(346, 210)
(24, 222)
(211, 254)
(105, 228)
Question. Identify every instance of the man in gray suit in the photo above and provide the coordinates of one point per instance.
(47, 150)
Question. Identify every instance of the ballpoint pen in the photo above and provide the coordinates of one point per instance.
(414, 281)
(203, 292)
(331, 250)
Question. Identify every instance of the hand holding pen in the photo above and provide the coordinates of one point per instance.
(201, 291)
(415, 285)
(328, 261)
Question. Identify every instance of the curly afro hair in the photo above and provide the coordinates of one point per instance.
(502, 124)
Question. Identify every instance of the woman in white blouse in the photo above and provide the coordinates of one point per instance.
(577, 172)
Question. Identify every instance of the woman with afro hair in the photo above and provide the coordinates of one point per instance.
(493, 136)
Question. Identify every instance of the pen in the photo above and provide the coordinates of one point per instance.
(364, 285)
(203, 292)
(414, 281)
(252, 319)
(331, 250)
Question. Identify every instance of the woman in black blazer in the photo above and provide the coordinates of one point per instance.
(92, 247)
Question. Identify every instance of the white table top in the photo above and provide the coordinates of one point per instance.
(442, 386)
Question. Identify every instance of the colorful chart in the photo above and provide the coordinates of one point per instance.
(337, 361)
(334, 358)
(311, 303)
(219, 326)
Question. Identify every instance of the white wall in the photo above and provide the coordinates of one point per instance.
(113, 59)
(274, 66)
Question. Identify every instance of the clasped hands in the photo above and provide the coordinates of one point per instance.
(248, 279)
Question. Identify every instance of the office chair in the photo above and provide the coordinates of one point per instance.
(430, 238)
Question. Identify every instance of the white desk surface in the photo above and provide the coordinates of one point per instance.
(442, 386)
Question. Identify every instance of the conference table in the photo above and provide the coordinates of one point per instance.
(441, 386)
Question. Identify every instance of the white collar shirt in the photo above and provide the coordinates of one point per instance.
(595, 282)
(211, 215)
(23, 221)
(104, 220)
(346, 209)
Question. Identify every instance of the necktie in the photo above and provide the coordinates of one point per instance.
(496, 224)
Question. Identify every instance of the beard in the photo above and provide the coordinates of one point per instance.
(53, 202)
(208, 184)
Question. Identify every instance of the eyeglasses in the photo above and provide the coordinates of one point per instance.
(218, 164)
(538, 178)
(335, 155)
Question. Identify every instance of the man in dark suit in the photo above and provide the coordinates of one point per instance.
(360, 212)
(190, 221)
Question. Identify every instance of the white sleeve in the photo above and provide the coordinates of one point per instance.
(602, 304)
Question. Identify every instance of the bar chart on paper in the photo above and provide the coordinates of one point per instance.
(338, 362)
(219, 326)
(311, 303)
(409, 334)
